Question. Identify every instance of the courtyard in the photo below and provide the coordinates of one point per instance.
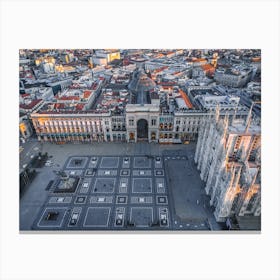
(131, 187)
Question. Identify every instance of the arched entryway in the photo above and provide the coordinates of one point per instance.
(142, 129)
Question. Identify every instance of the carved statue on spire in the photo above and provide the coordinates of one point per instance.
(226, 123)
(258, 156)
(249, 118)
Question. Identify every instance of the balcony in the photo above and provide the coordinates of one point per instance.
(119, 129)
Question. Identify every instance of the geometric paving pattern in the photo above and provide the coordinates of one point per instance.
(113, 193)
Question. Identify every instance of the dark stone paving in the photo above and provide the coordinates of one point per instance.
(142, 162)
(142, 185)
(128, 193)
(189, 200)
(97, 217)
(104, 185)
(141, 216)
(77, 162)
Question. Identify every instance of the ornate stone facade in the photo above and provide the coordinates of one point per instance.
(89, 127)
(228, 157)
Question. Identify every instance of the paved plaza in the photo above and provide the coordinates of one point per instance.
(109, 196)
(159, 190)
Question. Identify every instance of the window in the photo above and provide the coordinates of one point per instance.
(177, 121)
(154, 121)
(237, 143)
(131, 122)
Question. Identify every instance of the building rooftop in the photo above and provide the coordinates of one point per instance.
(140, 108)
(75, 95)
(141, 82)
(111, 100)
(68, 109)
(240, 126)
(31, 104)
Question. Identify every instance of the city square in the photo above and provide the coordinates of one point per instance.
(133, 198)
(128, 190)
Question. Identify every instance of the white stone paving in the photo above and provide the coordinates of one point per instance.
(100, 199)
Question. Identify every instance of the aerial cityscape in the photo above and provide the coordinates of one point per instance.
(140, 139)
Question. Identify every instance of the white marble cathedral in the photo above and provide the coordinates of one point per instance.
(229, 158)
